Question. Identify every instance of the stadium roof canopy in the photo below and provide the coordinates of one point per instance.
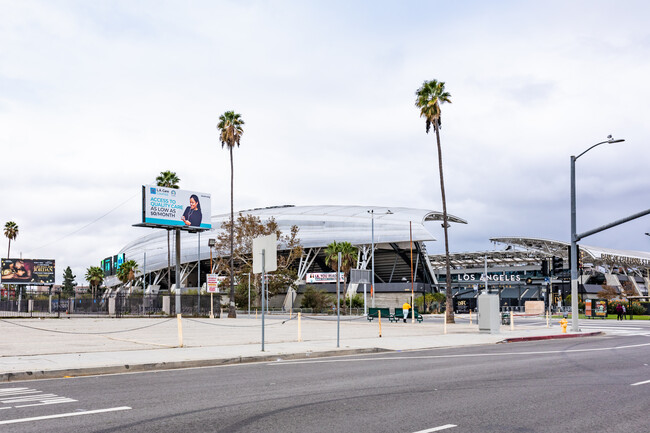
(595, 255)
(318, 226)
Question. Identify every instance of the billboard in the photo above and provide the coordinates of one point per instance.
(27, 271)
(175, 208)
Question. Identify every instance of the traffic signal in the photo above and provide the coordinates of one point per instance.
(558, 264)
(544, 268)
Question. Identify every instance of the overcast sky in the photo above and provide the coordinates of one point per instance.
(98, 97)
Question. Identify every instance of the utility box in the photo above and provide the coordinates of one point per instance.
(489, 317)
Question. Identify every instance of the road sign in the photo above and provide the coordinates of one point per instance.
(270, 246)
(213, 283)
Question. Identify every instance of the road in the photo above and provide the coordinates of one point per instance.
(595, 384)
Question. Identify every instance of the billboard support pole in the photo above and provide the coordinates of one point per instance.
(178, 271)
(144, 284)
(199, 273)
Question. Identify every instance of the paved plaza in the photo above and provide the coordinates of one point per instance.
(41, 348)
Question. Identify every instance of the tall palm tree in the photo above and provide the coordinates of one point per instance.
(168, 179)
(95, 277)
(230, 132)
(429, 97)
(11, 231)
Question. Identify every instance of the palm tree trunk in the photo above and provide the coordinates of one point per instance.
(232, 312)
(9, 247)
(449, 313)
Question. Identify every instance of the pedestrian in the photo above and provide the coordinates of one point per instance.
(619, 312)
(405, 309)
(624, 311)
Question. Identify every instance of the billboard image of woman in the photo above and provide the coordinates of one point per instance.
(192, 215)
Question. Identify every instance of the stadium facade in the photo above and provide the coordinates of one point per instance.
(514, 267)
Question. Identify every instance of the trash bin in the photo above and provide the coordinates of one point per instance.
(505, 318)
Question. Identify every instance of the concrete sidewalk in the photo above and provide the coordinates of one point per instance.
(48, 348)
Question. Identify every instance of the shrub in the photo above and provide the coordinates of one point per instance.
(316, 299)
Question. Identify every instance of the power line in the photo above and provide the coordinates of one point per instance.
(87, 225)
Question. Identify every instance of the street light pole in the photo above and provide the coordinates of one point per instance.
(372, 251)
(372, 255)
(574, 237)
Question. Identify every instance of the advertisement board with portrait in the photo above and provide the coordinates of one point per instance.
(27, 271)
(177, 208)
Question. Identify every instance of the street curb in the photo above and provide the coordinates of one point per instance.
(550, 337)
(158, 366)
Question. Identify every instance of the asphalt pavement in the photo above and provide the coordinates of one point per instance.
(78, 346)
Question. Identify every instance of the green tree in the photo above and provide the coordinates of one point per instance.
(126, 272)
(429, 97)
(11, 231)
(168, 179)
(319, 300)
(68, 283)
(607, 292)
(246, 228)
(95, 277)
(230, 132)
(349, 257)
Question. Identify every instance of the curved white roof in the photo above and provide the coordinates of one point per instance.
(560, 248)
(319, 226)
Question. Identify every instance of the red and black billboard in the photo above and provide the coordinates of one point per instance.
(27, 271)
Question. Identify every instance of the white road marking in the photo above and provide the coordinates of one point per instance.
(64, 415)
(641, 383)
(442, 427)
(26, 397)
(469, 355)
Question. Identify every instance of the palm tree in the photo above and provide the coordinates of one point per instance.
(230, 132)
(11, 231)
(95, 277)
(429, 97)
(168, 179)
(349, 256)
(127, 271)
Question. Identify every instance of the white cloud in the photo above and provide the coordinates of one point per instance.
(97, 98)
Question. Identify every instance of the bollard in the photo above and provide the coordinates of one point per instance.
(470, 317)
(299, 328)
(180, 330)
(379, 312)
(512, 321)
(256, 313)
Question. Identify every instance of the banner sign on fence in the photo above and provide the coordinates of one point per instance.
(322, 277)
(27, 271)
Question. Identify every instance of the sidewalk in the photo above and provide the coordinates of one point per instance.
(49, 348)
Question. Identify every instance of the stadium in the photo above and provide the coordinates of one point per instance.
(403, 240)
